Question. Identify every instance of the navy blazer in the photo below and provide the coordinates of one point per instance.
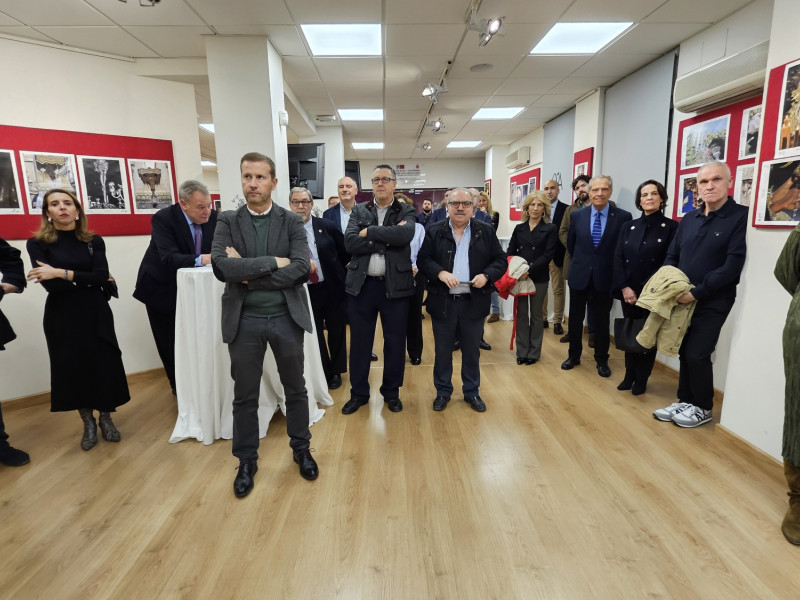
(332, 255)
(13, 272)
(555, 218)
(593, 266)
(332, 214)
(171, 248)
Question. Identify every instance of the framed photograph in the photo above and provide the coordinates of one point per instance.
(787, 139)
(751, 129)
(524, 190)
(531, 185)
(45, 171)
(778, 200)
(689, 195)
(152, 185)
(581, 169)
(10, 199)
(487, 187)
(705, 141)
(512, 196)
(104, 185)
(743, 188)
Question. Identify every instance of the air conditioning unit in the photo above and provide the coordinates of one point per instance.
(726, 81)
(518, 158)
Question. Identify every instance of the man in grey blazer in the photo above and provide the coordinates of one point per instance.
(261, 253)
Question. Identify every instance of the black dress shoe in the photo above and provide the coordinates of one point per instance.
(570, 363)
(638, 388)
(243, 484)
(545, 324)
(335, 382)
(603, 370)
(11, 457)
(530, 361)
(353, 405)
(456, 345)
(485, 345)
(416, 360)
(520, 361)
(558, 329)
(308, 466)
(373, 357)
(564, 339)
(476, 403)
(394, 404)
(440, 403)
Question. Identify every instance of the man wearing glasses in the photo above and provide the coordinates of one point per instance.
(325, 285)
(461, 258)
(379, 276)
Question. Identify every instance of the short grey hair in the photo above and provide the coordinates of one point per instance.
(716, 163)
(596, 177)
(466, 191)
(189, 187)
(390, 167)
(301, 190)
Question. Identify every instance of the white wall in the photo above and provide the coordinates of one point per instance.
(439, 172)
(754, 398)
(124, 104)
(589, 127)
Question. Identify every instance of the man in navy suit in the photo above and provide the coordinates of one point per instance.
(440, 214)
(181, 237)
(325, 285)
(339, 214)
(591, 241)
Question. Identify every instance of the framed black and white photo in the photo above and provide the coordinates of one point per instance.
(743, 186)
(45, 171)
(705, 141)
(10, 199)
(104, 185)
(151, 181)
(751, 130)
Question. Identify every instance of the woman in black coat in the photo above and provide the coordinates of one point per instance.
(86, 371)
(534, 240)
(641, 250)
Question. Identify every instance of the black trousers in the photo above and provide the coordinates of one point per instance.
(3, 434)
(162, 324)
(330, 314)
(599, 306)
(696, 377)
(247, 351)
(457, 325)
(638, 367)
(363, 311)
(414, 326)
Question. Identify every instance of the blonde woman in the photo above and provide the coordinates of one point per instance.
(534, 240)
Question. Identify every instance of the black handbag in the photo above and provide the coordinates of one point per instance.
(625, 332)
(109, 288)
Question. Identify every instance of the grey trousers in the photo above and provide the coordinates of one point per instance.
(247, 351)
(530, 328)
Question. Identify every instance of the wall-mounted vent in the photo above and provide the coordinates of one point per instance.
(518, 158)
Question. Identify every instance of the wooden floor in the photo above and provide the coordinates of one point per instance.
(564, 488)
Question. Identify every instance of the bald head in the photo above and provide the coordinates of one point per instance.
(551, 189)
(347, 190)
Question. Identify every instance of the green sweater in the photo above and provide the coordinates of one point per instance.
(264, 303)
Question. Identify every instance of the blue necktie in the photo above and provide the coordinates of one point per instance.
(198, 239)
(597, 231)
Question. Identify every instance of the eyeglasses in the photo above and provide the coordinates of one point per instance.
(299, 202)
(460, 203)
(377, 180)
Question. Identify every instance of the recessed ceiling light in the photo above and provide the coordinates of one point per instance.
(462, 144)
(579, 38)
(355, 39)
(498, 112)
(367, 145)
(207, 126)
(361, 114)
(207, 163)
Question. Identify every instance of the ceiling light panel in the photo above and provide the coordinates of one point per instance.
(508, 112)
(579, 38)
(361, 114)
(367, 145)
(355, 39)
(470, 144)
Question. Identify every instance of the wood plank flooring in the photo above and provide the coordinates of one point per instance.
(564, 488)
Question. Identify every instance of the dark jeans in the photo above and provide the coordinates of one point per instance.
(363, 313)
(330, 314)
(599, 305)
(247, 351)
(162, 324)
(696, 377)
(414, 327)
(457, 325)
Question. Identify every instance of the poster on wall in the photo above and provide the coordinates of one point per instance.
(104, 185)
(787, 138)
(45, 171)
(487, 187)
(705, 141)
(152, 185)
(532, 185)
(778, 200)
(743, 188)
(750, 131)
(10, 200)
(690, 196)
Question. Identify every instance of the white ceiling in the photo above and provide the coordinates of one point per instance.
(420, 37)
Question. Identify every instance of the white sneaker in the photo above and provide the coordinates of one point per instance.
(666, 414)
(692, 417)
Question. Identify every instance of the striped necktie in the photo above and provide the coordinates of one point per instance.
(597, 231)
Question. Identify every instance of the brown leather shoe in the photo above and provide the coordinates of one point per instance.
(493, 318)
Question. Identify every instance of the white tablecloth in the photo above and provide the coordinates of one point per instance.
(202, 366)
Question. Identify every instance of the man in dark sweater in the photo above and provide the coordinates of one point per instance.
(710, 249)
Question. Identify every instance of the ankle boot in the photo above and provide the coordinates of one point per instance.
(791, 522)
(110, 433)
(630, 366)
(644, 367)
(89, 439)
